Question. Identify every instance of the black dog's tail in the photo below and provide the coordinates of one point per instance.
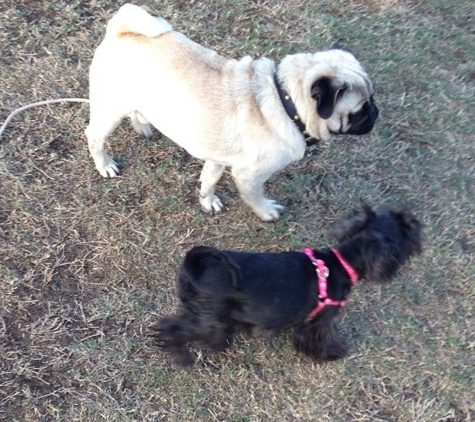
(194, 257)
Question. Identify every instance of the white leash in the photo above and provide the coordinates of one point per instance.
(40, 103)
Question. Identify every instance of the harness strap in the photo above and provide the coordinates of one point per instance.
(348, 268)
(322, 279)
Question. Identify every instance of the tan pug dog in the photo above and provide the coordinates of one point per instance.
(245, 114)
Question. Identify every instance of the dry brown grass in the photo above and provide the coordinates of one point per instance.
(88, 264)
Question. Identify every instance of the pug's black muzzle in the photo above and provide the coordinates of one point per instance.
(363, 121)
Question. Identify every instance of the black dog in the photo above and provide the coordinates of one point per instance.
(223, 291)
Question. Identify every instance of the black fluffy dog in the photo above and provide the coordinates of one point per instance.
(225, 291)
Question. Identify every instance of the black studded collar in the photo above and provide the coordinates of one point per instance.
(291, 111)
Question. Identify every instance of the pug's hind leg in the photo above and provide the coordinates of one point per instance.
(251, 187)
(210, 176)
(140, 124)
(99, 128)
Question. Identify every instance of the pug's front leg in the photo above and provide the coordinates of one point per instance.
(251, 187)
(210, 176)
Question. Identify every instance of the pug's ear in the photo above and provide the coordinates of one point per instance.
(325, 93)
(339, 46)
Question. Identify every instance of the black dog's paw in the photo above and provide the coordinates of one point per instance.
(171, 335)
(183, 358)
(168, 332)
(220, 346)
(321, 343)
(335, 350)
(159, 336)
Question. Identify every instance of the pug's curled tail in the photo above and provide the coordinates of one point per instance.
(134, 19)
(194, 257)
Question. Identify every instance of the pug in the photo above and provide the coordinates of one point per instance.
(252, 116)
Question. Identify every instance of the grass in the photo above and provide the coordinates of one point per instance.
(88, 264)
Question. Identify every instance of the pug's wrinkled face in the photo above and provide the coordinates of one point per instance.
(344, 96)
(354, 114)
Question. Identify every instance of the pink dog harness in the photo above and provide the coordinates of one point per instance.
(322, 275)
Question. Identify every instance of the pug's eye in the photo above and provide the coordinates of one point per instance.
(341, 92)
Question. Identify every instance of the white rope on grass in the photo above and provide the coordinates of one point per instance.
(40, 103)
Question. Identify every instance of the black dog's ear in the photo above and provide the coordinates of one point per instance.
(413, 229)
(360, 217)
(325, 93)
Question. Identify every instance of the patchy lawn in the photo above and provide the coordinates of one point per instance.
(88, 264)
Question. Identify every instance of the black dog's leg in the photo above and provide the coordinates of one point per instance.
(320, 340)
(172, 335)
(220, 337)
